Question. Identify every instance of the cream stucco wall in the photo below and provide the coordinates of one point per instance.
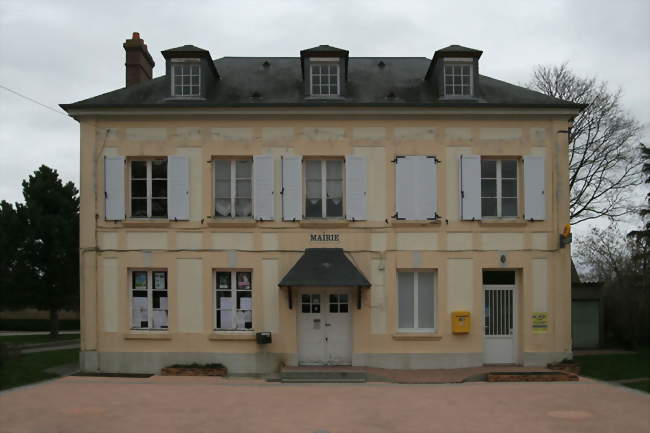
(191, 250)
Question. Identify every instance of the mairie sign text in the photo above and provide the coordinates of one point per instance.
(324, 237)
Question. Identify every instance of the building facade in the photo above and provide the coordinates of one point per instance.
(385, 212)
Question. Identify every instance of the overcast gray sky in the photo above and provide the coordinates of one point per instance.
(64, 51)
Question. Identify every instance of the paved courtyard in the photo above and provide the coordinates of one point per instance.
(199, 404)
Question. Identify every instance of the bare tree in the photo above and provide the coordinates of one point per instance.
(604, 166)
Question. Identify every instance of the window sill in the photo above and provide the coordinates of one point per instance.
(414, 223)
(417, 336)
(234, 222)
(325, 223)
(518, 222)
(146, 222)
(232, 335)
(147, 335)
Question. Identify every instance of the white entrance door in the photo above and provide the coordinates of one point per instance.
(500, 324)
(325, 327)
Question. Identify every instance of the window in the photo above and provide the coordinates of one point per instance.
(416, 301)
(149, 307)
(186, 79)
(458, 79)
(499, 188)
(324, 79)
(233, 189)
(149, 188)
(233, 297)
(324, 188)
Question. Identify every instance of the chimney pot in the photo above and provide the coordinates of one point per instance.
(139, 63)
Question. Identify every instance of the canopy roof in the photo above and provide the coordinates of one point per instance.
(324, 267)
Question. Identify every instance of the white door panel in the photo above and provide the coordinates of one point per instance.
(324, 327)
(500, 318)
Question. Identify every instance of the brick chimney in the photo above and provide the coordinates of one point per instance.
(139, 64)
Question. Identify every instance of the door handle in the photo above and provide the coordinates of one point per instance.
(327, 324)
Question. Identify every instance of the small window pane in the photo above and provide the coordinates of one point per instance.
(159, 169)
(222, 207)
(509, 188)
(244, 169)
(405, 300)
(488, 168)
(488, 188)
(465, 90)
(333, 90)
(489, 207)
(509, 168)
(457, 79)
(138, 188)
(223, 188)
(222, 169)
(334, 308)
(334, 207)
(343, 308)
(139, 169)
(244, 281)
(305, 298)
(448, 69)
(449, 90)
(159, 188)
(425, 300)
(315, 79)
(314, 208)
(509, 207)
(456, 69)
(223, 280)
(315, 90)
(243, 207)
(243, 188)
(159, 207)
(139, 207)
(315, 69)
(306, 308)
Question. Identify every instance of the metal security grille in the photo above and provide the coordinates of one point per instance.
(498, 311)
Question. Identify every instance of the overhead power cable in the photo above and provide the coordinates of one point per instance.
(34, 101)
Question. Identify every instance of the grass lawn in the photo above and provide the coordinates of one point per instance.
(643, 385)
(616, 366)
(33, 339)
(30, 367)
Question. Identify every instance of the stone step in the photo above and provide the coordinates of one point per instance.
(323, 376)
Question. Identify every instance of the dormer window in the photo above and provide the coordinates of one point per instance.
(325, 78)
(324, 71)
(458, 79)
(186, 77)
(191, 72)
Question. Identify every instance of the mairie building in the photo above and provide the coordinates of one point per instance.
(322, 209)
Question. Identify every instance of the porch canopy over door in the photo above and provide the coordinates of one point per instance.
(324, 267)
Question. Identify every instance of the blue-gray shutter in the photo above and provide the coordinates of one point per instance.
(356, 187)
(263, 201)
(114, 188)
(470, 187)
(178, 187)
(291, 188)
(534, 200)
(425, 187)
(405, 195)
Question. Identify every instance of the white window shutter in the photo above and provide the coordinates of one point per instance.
(263, 187)
(470, 187)
(356, 187)
(292, 188)
(535, 202)
(425, 187)
(114, 188)
(178, 188)
(405, 196)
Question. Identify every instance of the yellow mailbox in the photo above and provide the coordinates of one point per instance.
(460, 322)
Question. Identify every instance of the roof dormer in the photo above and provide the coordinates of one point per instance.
(454, 72)
(191, 71)
(324, 71)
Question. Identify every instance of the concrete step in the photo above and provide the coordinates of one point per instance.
(323, 376)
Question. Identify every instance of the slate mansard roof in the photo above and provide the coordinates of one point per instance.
(277, 81)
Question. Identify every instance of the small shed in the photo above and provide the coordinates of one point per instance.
(587, 312)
